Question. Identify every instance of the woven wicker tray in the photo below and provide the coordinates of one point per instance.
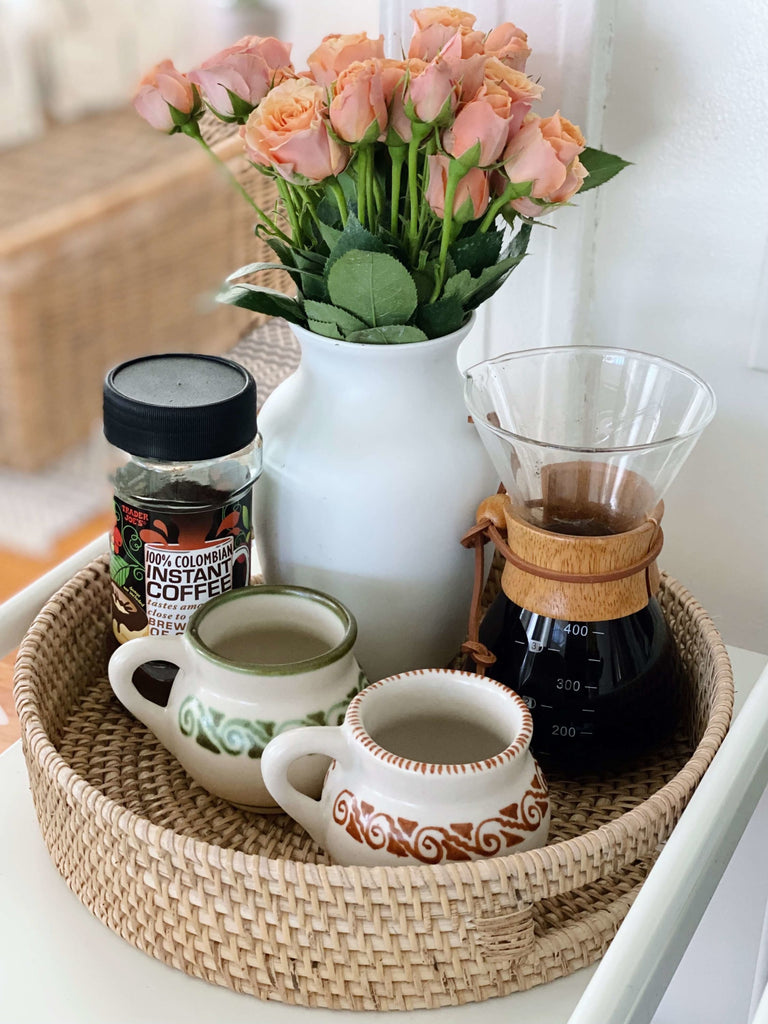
(249, 902)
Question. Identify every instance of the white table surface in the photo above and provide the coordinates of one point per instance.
(59, 964)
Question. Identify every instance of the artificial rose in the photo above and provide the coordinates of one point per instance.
(393, 75)
(337, 52)
(574, 179)
(450, 16)
(486, 120)
(399, 122)
(437, 38)
(472, 194)
(519, 87)
(542, 152)
(438, 26)
(509, 44)
(433, 91)
(162, 88)
(358, 110)
(248, 69)
(288, 131)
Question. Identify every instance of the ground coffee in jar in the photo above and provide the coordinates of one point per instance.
(186, 456)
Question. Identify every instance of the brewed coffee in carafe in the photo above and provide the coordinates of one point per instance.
(586, 440)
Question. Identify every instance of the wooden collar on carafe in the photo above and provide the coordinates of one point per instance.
(562, 576)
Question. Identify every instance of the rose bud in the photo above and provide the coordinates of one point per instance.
(509, 44)
(358, 110)
(166, 99)
(240, 76)
(472, 195)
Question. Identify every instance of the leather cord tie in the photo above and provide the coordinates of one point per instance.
(483, 531)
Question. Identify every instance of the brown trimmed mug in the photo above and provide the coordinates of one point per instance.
(429, 766)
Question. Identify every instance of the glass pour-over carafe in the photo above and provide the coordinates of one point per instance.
(586, 441)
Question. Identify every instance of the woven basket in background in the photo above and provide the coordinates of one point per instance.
(249, 902)
(113, 242)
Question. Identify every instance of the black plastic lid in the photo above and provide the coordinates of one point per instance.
(180, 407)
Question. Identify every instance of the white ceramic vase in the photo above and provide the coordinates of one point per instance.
(372, 473)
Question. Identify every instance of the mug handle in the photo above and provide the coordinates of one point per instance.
(132, 655)
(278, 756)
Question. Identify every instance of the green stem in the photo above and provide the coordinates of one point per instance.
(413, 195)
(285, 193)
(397, 154)
(361, 190)
(493, 211)
(455, 175)
(341, 200)
(192, 129)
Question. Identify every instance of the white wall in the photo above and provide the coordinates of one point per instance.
(679, 248)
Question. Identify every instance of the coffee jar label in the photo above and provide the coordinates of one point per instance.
(164, 565)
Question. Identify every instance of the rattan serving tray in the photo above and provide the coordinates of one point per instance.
(249, 902)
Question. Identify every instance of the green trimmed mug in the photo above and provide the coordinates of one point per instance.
(253, 663)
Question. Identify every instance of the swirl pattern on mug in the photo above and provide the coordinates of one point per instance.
(432, 844)
(236, 736)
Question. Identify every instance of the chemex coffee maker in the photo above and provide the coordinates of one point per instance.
(586, 441)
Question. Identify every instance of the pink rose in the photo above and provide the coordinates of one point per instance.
(358, 109)
(451, 16)
(437, 38)
(574, 179)
(399, 122)
(337, 52)
(288, 132)
(433, 91)
(486, 120)
(542, 153)
(247, 69)
(509, 44)
(162, 88)
(393, 75)
(472, 193)
(517, 84)
(436, 27)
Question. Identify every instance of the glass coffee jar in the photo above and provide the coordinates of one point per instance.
(186, 454)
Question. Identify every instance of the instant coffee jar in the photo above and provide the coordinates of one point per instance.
(186, 454)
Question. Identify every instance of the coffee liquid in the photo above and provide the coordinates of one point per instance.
(270, 645)
(439, 739)
(599, 692)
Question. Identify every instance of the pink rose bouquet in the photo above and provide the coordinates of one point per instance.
(421, 177)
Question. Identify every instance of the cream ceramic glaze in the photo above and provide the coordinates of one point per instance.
(372, 474)
(381, 807)
(222, 713)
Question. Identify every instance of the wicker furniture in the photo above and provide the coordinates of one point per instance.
(248, 902)
(113, 242)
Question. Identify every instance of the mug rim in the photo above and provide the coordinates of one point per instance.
(516, 749)
(288, 668)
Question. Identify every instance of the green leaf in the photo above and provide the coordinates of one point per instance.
(459, 286)
(519, 244)
(442, 317)
(392, 334)
(354, 236)
(254, 268)
(374, 287)
(475, 252)
(330, 235)
(328, 314)
(325, 329)
(602, 167)
(262, 300)
(491, 279)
